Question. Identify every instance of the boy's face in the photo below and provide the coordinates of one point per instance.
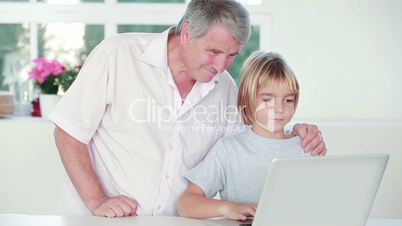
(275, 108)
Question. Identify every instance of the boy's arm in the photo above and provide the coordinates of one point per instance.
(193, 203)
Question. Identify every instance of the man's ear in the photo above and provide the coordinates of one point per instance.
(185, 33)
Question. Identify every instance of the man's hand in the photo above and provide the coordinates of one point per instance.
(236, 211)
(118, 206)
(312, 139)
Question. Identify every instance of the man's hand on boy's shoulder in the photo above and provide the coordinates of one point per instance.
(312, 139)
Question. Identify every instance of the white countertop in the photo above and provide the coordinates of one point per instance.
(54, 220)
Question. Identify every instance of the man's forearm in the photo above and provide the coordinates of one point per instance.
(76, 161)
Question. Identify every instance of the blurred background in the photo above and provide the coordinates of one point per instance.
(345, 53)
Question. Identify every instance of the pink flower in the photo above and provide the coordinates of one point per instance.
(44, 68)
(57, 68)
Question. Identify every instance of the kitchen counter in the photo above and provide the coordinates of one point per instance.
(54, 220)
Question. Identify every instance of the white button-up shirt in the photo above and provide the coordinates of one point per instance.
(141, 138)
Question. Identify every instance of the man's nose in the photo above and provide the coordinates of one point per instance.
(221, 63)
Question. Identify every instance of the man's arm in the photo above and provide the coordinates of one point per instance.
(193, 203)
(312, 138)
(76, 161)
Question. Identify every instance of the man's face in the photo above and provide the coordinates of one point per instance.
(210, 54)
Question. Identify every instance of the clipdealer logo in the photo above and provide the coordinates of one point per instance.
(267, 113)
(149, 111)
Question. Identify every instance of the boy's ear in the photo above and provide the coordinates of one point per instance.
(185, 33)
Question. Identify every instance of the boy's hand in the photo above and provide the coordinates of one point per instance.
(312, 138)
(236, 211)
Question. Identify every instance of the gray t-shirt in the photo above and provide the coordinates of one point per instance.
(237, 165)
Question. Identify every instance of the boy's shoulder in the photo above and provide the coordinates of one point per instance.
(234, 136)
(233, 141)
(229, 146)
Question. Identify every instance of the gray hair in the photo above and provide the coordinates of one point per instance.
(202, 14)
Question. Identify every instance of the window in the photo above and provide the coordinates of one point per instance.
(70, 43)
(69, 29)
(14, 56)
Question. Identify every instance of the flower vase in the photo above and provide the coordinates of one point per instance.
(47, 102)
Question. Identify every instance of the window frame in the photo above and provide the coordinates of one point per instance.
(34, 13)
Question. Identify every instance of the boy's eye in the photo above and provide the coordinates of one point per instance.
(290, 100)
(267, 99)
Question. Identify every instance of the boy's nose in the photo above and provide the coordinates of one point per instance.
(278, 106)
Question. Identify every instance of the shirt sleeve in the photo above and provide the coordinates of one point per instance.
(209, 174)
(81, 109)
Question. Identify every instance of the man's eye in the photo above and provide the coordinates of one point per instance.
(290, 100)
(267, 99)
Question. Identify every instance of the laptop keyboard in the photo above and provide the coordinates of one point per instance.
(247, 222)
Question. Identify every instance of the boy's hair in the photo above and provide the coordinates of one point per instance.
(202, 14)
(262, 69)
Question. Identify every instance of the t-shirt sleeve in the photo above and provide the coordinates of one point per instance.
(81, 109)
(209, 174)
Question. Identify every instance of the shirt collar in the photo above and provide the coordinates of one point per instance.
(156, 52)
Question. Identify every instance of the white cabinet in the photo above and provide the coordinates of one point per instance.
(30, 168)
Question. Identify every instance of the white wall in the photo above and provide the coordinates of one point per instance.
(347, 57)
(346, 54)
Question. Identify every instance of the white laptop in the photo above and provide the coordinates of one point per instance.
(319, 191)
